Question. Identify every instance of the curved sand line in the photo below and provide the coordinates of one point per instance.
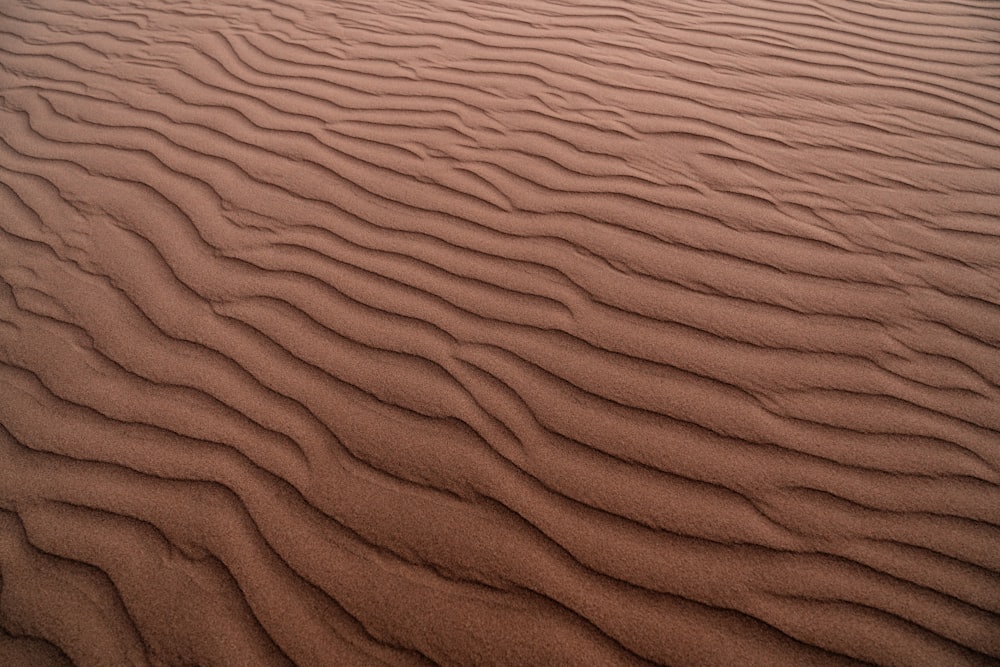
(466, 333)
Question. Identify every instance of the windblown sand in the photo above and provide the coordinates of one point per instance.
(474, 332)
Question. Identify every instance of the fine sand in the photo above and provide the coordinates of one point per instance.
(489, 332)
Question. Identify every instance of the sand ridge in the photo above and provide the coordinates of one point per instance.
(467, 332)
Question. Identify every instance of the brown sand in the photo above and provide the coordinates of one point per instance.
(473, 332)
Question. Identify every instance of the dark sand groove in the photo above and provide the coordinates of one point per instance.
(660, 332)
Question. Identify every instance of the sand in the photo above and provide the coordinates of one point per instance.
(469, 332)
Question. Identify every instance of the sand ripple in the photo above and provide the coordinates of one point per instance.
(471, 332)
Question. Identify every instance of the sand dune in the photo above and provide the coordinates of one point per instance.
(484, 333)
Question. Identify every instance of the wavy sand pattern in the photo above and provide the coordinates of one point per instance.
(472, 332)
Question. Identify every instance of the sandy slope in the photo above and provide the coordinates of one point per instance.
(474, 332)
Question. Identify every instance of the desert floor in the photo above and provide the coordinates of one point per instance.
(481, 332)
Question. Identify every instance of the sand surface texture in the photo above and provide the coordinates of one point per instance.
(499, 333)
